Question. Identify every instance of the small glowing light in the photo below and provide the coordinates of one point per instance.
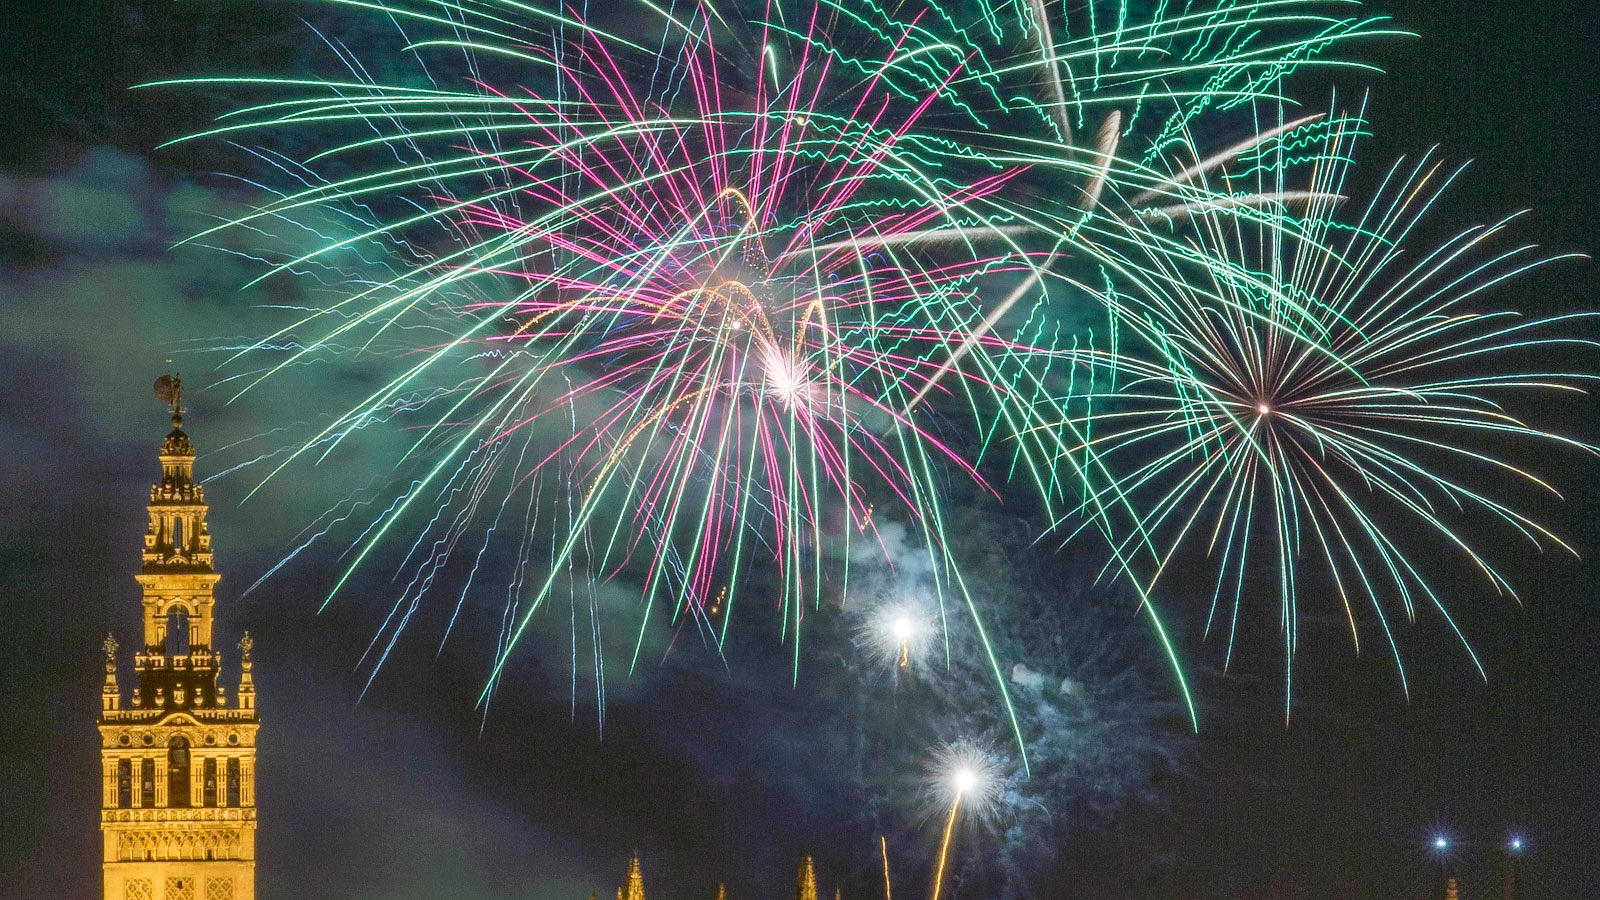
(899, 633)
(1439, 843)
(965, 780)
(1516, 845)
(866, 519)
(1264, 408)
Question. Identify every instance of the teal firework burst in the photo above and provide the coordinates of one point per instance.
(1308, 406)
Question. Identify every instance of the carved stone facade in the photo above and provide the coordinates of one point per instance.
(178, 762)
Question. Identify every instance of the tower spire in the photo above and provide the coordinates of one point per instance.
(170, 389)
(805, 883)
(634, 889)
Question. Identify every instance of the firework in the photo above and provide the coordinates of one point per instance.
(1059, 454)
(703, 301)
(969, 776)
(691, 297)
(1315, 406)
(1105, 734)
(902, 633)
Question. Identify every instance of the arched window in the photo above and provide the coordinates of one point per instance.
(208, 789)
(177, 534)
(178, 773)
(233, 781)
(124, 783)
(178, 632)
(147, 782)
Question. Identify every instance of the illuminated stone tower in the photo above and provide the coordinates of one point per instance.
(178, 808)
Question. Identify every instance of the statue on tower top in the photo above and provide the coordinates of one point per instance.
(170, 389)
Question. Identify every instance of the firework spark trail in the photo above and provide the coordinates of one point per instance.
(944, 845)
(883, 845)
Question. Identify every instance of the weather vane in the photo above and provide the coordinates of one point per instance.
(170, 389)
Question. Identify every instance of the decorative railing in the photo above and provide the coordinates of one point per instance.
(184, 815)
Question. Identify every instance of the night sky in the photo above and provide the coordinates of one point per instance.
(725, 772)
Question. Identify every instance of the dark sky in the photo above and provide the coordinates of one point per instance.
(711, 772)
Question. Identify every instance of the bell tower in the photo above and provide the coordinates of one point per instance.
(178, 813)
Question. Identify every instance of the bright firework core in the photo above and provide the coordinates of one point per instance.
(967, 773)
(786, 377)
(902, 629)
(965, 780)
(900, 634)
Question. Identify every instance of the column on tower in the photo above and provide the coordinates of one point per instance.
(247, 684)
(110, 693)
(109, 792)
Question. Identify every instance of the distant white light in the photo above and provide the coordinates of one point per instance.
(1439, 843)
(1516, 845)
(1264, 408)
